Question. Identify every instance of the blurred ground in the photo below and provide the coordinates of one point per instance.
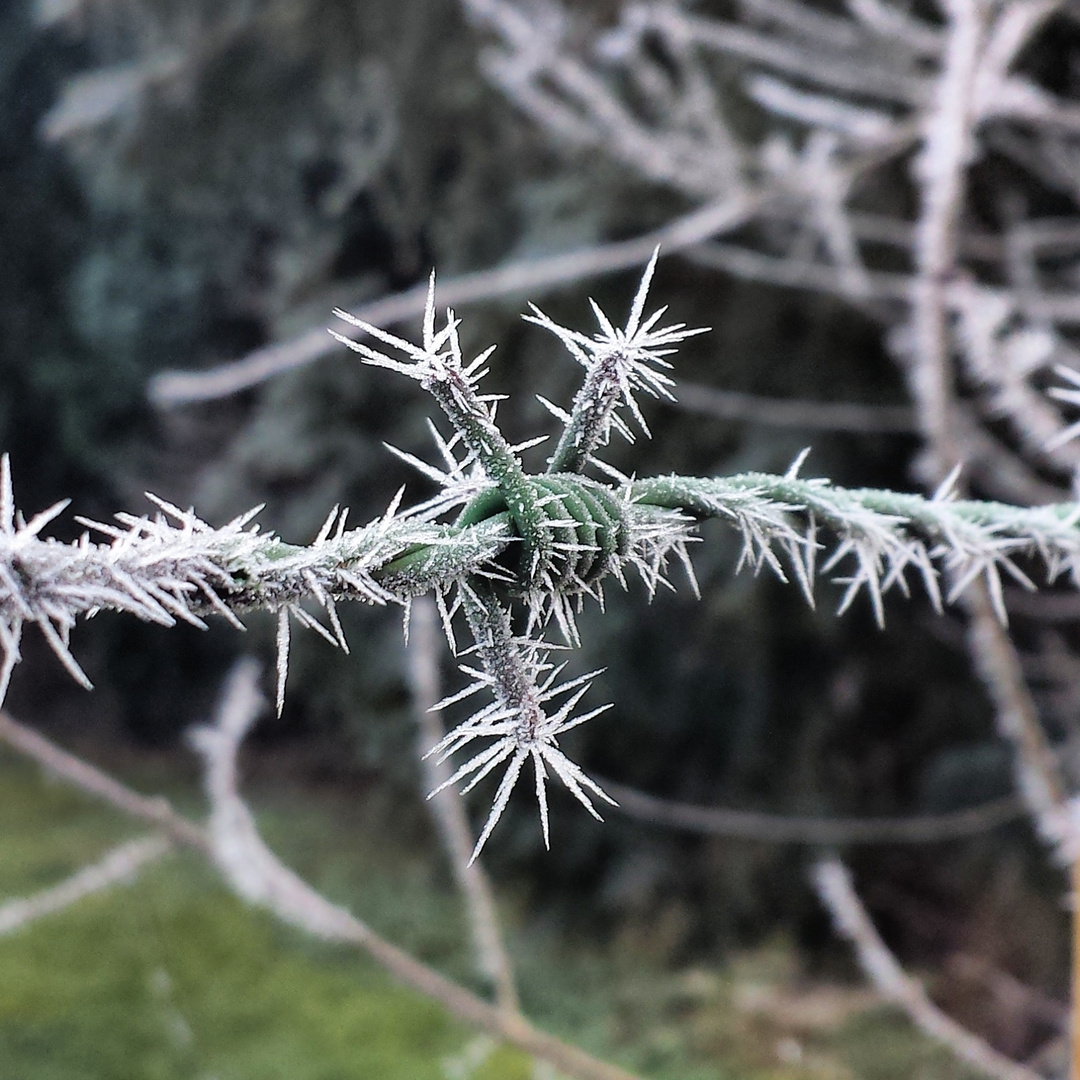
(172, 978)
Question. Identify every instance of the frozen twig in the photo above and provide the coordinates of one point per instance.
(784, 829)
(1038, 776)
(246, 863)
(118, 867)
(1001, 351)
(528, 277)
(942, 164)
(175, 567)
(99, 96)
(833, 884)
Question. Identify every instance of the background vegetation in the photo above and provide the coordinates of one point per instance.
(183, 182)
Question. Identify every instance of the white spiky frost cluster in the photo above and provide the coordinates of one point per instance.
(618, 363)
(946, 542)
(522, 681)
(175, 567)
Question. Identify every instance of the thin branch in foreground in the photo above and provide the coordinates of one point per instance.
(245, 862)
(1038, 775)
(256, 874)
(783, 829)
(458, 1001)
(941, 170)
(833, 884)
(118, 867)
(91, 780)
(447, 810)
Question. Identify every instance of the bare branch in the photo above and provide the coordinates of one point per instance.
(835, 70)
(299, 900)
(533, 276)
(782, 829)
(942, 165)
(897, 27)
(833, 884)
(118, 867)
(1039, 779)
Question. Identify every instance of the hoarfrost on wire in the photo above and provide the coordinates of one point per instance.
(494, 539)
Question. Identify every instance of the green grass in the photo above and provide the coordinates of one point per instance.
(172, 978)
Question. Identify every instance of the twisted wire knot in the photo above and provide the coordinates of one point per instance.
(573, 531)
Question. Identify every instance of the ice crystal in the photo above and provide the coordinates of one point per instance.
(619, 363)
(437, 361)
(522, 681)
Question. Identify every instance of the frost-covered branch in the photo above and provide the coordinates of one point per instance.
(833, 884)
(941, 167)
(117, 867)
(303, 901)
(246, 863)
